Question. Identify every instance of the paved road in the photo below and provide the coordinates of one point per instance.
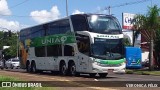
(47, 76)
(110, 77)
(129, 77)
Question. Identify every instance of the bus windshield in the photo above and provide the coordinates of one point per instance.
(102, 24)
(111, 49)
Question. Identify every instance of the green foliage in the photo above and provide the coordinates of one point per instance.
(126, 42)
(157, 41)
(151, 23)
(157, 46)
(9, 41)
(6, 78)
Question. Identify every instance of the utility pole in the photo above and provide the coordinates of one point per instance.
(66, 7)
(17, 44)
(109, 10)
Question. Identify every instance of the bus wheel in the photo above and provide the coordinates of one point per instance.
(11, 66)
(33, 68)
(6, 67)
(72, 69)
(103, 75)
(55, 72)
(92, 74)
(28, 68)
(63, 69)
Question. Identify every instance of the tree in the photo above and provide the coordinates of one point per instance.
(9, 41)
(10, 52)
(157, 47)
(149, 23)
(126, 42)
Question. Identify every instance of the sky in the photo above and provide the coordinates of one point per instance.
(18, 14)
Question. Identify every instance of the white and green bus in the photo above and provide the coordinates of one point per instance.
(81, 43)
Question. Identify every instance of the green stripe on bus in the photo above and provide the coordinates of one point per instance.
(138, 61)
(52, 40)
(110, 61)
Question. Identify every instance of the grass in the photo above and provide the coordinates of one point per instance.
(142, 72)
(6, 78)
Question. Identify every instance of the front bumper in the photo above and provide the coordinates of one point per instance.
(115, 69)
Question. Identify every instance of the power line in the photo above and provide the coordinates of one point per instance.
(23, 16)
(130, 3)
(18, 4)
(14, 7)
(123, 4)
(106, 8)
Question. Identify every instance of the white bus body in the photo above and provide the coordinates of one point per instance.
(73, 45)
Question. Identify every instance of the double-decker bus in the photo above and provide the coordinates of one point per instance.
(81, 43)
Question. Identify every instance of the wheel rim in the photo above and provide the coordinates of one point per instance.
(28, 68)
(63, 70)
(103, 74)
(34, 69)
(73, 70)
(92, 74)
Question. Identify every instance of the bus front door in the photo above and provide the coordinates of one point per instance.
(83, 62)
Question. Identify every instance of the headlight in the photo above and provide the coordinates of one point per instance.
(97, 63)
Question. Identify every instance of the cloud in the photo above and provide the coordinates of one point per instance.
(10, 25)
(100, 10)
(4, 8)
(77, 12)
(5, 24)
(44, 15)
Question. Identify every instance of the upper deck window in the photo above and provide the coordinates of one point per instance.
(101, 24)
(79, 23)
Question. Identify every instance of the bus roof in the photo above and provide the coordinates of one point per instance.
(89, 14)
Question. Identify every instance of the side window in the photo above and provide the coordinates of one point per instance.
(53, 28)
(64, 26)
(83, 44)
(40, 51)
(54, 50)
(79, 23)
(68, 50)
(37, 31)
(59, 27)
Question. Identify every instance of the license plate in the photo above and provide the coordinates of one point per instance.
(110, 70)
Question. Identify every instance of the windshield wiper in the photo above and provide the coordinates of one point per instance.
(109, 54)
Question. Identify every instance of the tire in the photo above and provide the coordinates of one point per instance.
(92, 74)
(33, 68)
(103, 75)
(1, 68)
(72, 69)
(11, 66)
(63, 69)
(55, 72)
(5, 66)
(39, 71)
(77, 74)
(28, 68)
